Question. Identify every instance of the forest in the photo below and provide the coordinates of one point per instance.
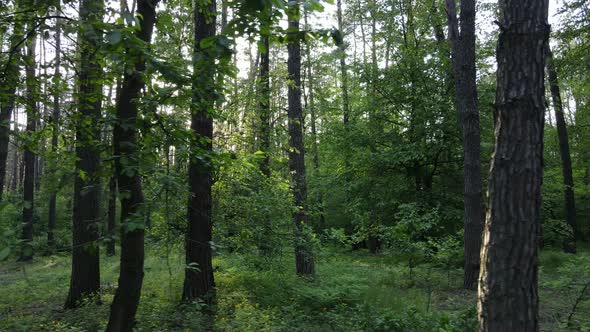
(295, 165)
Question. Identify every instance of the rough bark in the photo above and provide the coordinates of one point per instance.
(54, 121)
(85, 276)
(29, 154)
(264, 105)
(198, 278)
(569, 244)
(8, 85)
(463, 59)
(126, 301)
(508, 287)
(304, 259)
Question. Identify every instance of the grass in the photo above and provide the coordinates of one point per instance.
(352, 291)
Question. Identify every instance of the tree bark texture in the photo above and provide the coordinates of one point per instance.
(198, 279)
(264, 104)
(508, 287)
(304, 259)
(52, 210)
(29, 154)
(85, 276)
(9, 83)
(463, 59)
(126, 301)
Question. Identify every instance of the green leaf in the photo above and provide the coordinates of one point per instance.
(4, 253)
(114, 37)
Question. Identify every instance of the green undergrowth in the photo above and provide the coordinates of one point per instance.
(352, 291)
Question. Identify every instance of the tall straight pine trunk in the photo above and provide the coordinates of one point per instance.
(566, 159)
(463, 59)
(198, 278)
(29, 156)
(304, 259)
(508, 297)
(8, 85)
(264, 102)
(85, 276)
(126, 301)
(343, 72)
(52, 209)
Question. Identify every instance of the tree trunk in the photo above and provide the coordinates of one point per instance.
(343, 73)
(304, 259)
(198, 278)
(16, 157)
(313, 120)
(566, 160)
(463, 59)
(29, 157)
(264, 128)
(111, 216)
(508, 288)
(264, 104)
(8, 85)
(54, 137)
(85, 277)
(124, 307)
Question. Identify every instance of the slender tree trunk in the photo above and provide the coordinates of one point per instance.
(313, 119)
(508, 288)
(198, 278)
(463, 59)
(264, 103)
(8, 85)
(85, 277)
(16, 158)
(29, 157)
(566, 160)
(124, 307)
(304, 259)
(111, 216)
(264, 125)
(54, 136)
(224, 6)
(343, 72)
(112, 205)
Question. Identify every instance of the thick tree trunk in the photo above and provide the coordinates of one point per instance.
(463, 59)
(508, 288)
(29, 157)
(124, 307)
(304, 259)
(198, 278)
(85, 277)
(8, 85)
(566, 160)
(52, 211)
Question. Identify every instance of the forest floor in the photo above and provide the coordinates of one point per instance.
(352, 291)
